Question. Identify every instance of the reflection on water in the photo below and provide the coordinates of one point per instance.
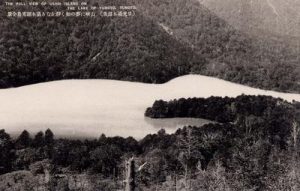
(137, 127)
(171, 124)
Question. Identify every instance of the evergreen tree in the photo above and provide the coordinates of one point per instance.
(49, 137)
(39, 140)
(24, 140)
(6, 152)
(49, 142)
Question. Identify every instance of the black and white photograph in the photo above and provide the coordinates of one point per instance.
(149, 95)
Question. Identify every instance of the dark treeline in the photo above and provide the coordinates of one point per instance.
(99, 156)
(257, 150)
(215, 108)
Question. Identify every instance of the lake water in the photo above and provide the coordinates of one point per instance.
(88, 108)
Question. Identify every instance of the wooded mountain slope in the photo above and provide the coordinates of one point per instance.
(135, 48)
(166, 39)
(235, 56)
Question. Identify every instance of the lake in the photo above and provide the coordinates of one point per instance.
(88, 108)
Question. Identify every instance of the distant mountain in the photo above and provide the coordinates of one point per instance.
(281, 17)
(234, 55)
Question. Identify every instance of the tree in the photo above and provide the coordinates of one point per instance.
(49, 142)
(7, 154)
(188, 154)
(38, 140)
(49, 137)
(24, 140)
(130, 175)
(105, 159)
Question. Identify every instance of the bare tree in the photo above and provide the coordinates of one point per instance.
(131, 171)
(187, 145)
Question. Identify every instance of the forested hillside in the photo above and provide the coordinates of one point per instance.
(233, 55)
(135, 48)
(166, 39)
(257, 149)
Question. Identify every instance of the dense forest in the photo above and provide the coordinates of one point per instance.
(255, 149)
(135, 48)
(218, 109)
(264, 62)
(164, 40)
